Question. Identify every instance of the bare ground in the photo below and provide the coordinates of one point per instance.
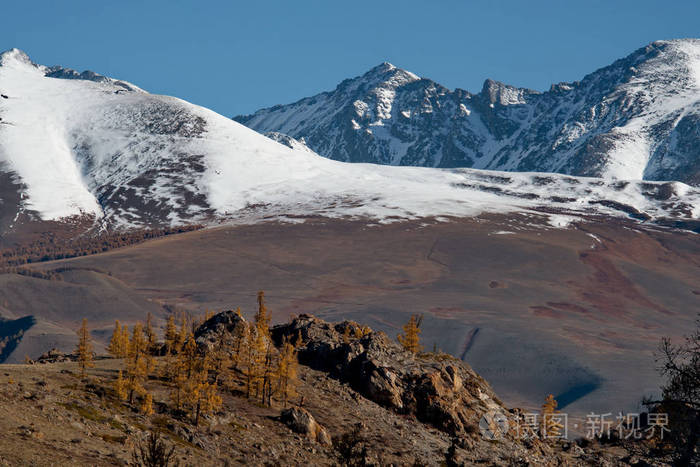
(575, 312)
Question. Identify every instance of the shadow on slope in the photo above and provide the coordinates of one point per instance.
(11, 333)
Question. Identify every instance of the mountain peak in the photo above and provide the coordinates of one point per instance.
(386, 70)
(504, 94)
(14, 55)
(384, 66)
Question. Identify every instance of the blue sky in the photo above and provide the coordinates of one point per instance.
(236, 57)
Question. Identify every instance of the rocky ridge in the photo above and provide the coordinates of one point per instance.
(369, 403)
(634, 119)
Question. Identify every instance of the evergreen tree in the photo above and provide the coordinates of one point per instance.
(410, 340)
(84, 349)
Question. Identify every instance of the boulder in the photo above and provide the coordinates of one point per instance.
(302, 422)
(56, 356)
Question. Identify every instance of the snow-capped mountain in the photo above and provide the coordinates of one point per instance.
(638, 118)
(82, 144)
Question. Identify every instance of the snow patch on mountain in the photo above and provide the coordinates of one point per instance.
(87, 145)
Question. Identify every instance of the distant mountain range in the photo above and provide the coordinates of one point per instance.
(638, 118)
(103, 150)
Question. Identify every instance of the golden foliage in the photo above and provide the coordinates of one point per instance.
(150, 335)
(362, 331)
(147, 404)
(124, 341)
(262, 318)
(410, 339)
(171, 336)
(138, 363)
(551, 428)
(287, 371)
(84, 349)
(116, 347)
(120, 387)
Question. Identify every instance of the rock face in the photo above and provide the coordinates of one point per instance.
(221, 326)
(436, 389)
(301, 421)
(634, 119)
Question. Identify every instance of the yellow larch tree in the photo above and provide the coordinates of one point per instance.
(551, 427)
(200, 396)
(120, 387)
(239, 339)
(208, 401)
(150, 335)
(208, 314)
(262, 318)
(253, 359)
(124, 341)
(84, 349)
(410, 339)
(287, 372)
(137, 363)
(220, 357)
(184, 331)
(268, 374)
(115, 343)
(178, 378)
(147, 404)
(170, 337)
(190, 355)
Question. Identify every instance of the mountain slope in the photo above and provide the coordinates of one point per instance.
(635, 119)
(85, 145)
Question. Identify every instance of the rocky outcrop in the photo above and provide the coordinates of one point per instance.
(219, 328)
(435, 388)
(55, 356)
(302, 422)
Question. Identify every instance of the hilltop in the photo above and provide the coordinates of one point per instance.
(355, 393)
